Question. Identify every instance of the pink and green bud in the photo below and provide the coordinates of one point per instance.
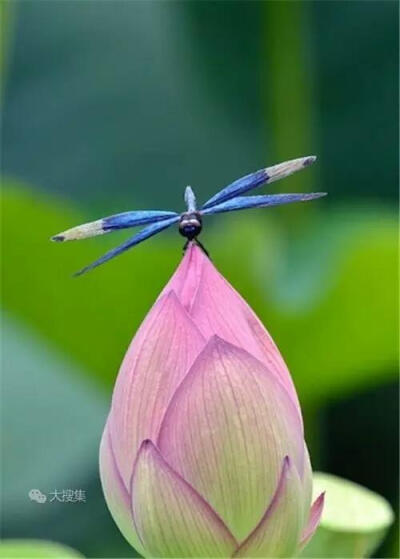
(203, 453)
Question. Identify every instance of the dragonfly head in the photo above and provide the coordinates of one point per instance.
(190, 225)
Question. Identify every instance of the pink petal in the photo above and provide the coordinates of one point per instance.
(157, 360)
(227, 431)
(117, 497)
(278, 532)
(172, 518)
(313, 521)
(271, 354)
(307, 482)
(187, 277)
(217, 308)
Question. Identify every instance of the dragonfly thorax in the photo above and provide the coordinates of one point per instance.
(190, 225)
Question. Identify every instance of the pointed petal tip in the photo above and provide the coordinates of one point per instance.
(216, 341)
(187, 277)
(267, 539)
(170, 303)
(216, 344)
(149, 447)
(157, 487)
(194, 249)
(170, 296)
(147, 444)
(286, 468)
(319, 502)
(321, 498)
(313, 520)
(168, 300)
(146, 447)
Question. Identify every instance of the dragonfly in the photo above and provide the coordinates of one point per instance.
(190, 222)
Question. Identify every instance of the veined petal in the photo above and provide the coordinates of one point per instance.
(157, 360)
(172, 518)
(227, 431)
(217, 309)
(186, 279)
(271, 354)
(313, 521)
(278, 532)
(117, 497)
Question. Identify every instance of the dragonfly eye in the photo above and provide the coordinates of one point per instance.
(190, 225)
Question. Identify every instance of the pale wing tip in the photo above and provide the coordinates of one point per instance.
(83, 231)
(309, 160)
(282, 170)
(57, 238)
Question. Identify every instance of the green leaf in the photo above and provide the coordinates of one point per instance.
(91, 318)
(327, 296)
(52, 418)
(354, 520)
(39, 549)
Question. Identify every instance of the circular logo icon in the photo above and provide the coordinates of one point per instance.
(37, 495)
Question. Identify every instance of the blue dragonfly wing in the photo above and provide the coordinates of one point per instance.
(240, 186)
(142, 235)
(267, 175)
(131, 219)
(247, 202)
(113, 222)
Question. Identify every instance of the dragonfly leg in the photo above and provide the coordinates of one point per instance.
(198, 243)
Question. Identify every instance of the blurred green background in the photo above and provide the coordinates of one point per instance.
(110, 106)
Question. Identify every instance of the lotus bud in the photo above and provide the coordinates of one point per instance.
(203, 452)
